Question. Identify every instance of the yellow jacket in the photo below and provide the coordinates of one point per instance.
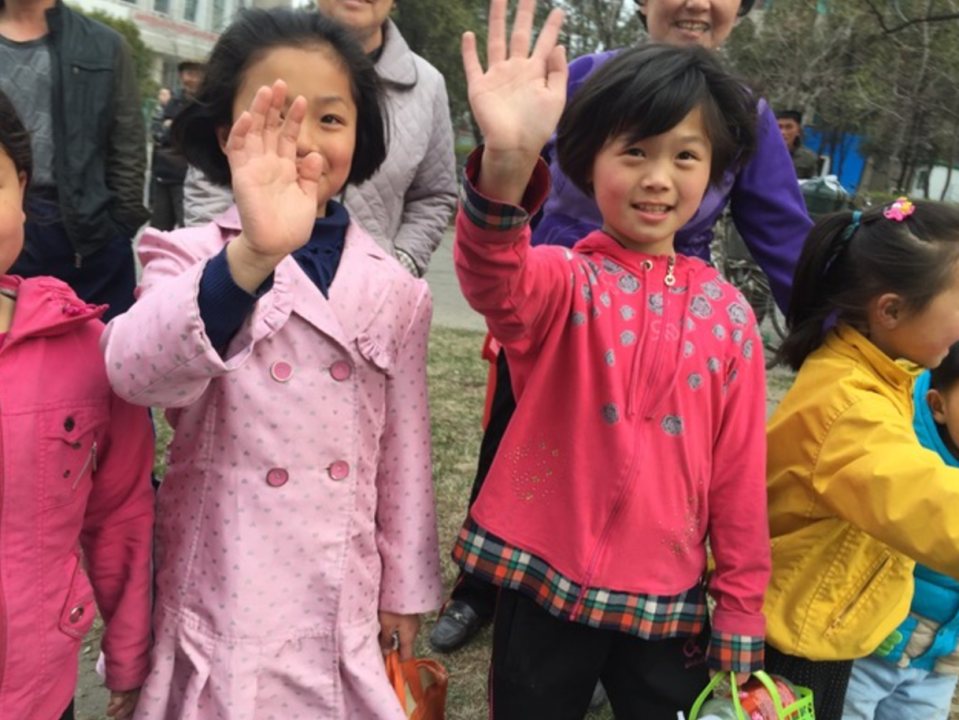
(854, 501)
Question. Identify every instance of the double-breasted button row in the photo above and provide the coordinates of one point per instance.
(278, 477)
(282, 371)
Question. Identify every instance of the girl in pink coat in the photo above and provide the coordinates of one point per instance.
(76, 504)
(296, 531)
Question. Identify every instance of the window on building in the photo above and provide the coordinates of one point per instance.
(161, 6)
(189, 10)
(219, 13)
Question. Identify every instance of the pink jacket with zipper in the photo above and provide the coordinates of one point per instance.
(639, 426)
(76, 505)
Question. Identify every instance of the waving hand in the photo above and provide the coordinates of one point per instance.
(518, 99)
(276, 190)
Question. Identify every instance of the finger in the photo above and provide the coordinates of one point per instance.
(496, 38)
(289, 132)
(386, 638)
(522, 29)
(239, 132)
(259, 108)
(310, 171)
(406, 646)
(557, 70)
(471, 64)
(274, 114)
(549, 35)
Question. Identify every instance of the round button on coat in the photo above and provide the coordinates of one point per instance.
(341, 370)
(281, 371)
(277, 477)
(339, 470)
(76, 614)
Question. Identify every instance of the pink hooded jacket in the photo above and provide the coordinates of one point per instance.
(639, 425)
(76, 505)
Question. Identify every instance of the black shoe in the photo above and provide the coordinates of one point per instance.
(455, 627)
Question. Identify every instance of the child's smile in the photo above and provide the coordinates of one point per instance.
(648, 189)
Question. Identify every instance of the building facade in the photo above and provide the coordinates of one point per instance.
(176, 30)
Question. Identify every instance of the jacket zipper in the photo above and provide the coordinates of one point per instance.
(847, 608)
(668, 281)
(90, 461)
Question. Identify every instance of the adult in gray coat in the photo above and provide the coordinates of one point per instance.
(407, 204)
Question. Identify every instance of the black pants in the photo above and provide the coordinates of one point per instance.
(108, 276)
(544, 667)
(68, 713)
(828, 680)
(167, 205)
(479, 594)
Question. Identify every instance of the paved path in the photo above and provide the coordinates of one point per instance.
(449, 307)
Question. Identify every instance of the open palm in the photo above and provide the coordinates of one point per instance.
(275, 191)
(520, 97)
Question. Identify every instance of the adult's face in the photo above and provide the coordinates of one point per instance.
(789, 129)
(690, 22)
(191, 79)
(363, 18)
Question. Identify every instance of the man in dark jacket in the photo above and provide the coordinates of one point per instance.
(805, 161)
(74, 83)
(169, 164)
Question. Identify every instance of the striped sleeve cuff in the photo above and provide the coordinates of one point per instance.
(739, 653)
(492, 214)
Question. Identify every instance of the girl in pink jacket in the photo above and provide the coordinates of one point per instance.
(639, 376)
(296, 536)
(76, 504)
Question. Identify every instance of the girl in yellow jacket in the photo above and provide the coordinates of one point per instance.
(854, 499)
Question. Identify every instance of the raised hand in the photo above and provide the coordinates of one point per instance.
(519, 98)
(276, 191)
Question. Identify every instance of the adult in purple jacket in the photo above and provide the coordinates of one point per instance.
(767, 208)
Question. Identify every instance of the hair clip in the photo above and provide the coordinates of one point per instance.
(899, 210)
(851, 227)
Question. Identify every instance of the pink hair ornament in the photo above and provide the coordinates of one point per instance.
(899, 210)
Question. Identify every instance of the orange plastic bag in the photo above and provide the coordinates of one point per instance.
(420, 685)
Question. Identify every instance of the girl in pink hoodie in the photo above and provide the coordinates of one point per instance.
(76, 505)
(639, 380)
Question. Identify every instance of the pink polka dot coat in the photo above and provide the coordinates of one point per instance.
(298, 500)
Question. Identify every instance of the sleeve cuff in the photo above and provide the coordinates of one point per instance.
(407, 261)
(739, 653)
(494, 215)
(224, 305)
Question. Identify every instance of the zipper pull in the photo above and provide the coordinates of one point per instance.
(670, 279)
(77, 260)
(91, 462)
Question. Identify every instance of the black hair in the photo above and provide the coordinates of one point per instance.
(794, 115)
(253, 33)
(946, 374)
(844, 266)
(14, 137)
(744, 7)
(648, 90)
